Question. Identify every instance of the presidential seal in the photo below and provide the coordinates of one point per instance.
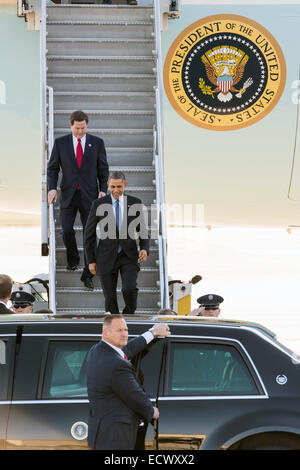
(79, 430)
(224, 72)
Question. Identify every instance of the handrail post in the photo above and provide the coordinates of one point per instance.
(43, 143)
(160, 190)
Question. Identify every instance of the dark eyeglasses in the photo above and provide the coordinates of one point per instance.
(21, 305)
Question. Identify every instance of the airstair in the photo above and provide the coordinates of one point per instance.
(105, 60)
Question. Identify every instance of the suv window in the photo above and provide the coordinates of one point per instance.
(208, 369)
(65, 369)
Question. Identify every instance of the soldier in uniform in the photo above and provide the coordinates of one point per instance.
(22, 301)
(209, 306)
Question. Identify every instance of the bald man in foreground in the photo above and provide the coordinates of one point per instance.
(117, 400)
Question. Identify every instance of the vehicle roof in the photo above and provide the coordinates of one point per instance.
(177, 319)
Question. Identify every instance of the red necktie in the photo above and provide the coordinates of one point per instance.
(79, 155)
(125, 357)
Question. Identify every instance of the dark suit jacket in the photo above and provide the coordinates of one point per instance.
(4, 309)
(106, 252)
(92, 175)
(117, 400)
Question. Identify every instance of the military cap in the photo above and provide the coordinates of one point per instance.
(22, 297)
(210, 301)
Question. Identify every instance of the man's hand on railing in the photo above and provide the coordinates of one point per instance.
(52, 196)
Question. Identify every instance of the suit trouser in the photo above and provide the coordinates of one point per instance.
(129, 272)
(68, 216)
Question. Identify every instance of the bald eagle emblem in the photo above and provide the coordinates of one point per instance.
(225, 67)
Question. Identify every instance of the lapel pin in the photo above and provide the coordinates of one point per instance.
(90, 145)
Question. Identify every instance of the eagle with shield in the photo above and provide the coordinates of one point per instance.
(225, 67)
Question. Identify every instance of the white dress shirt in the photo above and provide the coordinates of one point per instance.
(148, 338)
(75, 143)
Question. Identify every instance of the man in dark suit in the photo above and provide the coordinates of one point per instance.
(117, 222)
(117, 400)
(6, 284)
(82, 159)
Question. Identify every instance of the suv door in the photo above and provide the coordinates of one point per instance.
(207, 384)
(50, 405)
(7, 356)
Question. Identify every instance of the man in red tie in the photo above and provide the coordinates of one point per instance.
(81, 158)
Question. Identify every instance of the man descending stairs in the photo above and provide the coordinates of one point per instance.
(101, 59)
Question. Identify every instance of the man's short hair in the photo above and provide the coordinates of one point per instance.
(78, 116)
(6, 284)
(109, 318)
(166, 311)
(117, 175)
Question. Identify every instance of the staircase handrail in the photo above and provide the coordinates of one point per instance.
(158, 155)
(52, 244)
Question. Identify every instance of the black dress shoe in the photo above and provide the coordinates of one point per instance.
(106, 2)
(72, 268)
(88, 283)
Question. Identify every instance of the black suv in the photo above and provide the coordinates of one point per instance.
(220, 384)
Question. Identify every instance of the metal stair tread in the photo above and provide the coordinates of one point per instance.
(101, 57)
(107, 130)
(101, 22)
(133, 169)
(79, 290)
(104, 93)
(116, 112)
(91, 311)
(139, 188)
(83, 39)
(86, 5)
(129, 76)
(62, 269)
(129, 149)
(80, 248)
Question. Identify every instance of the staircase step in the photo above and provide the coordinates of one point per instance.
(152, 260)
(148, 277)
(117, 137)
(101, 82)
(129, 156)
(101, 46)
(104, 100)
(121, 119)
(96, 311)
(92, 12)
(81, 297)
(132, 29)
(100, 64)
